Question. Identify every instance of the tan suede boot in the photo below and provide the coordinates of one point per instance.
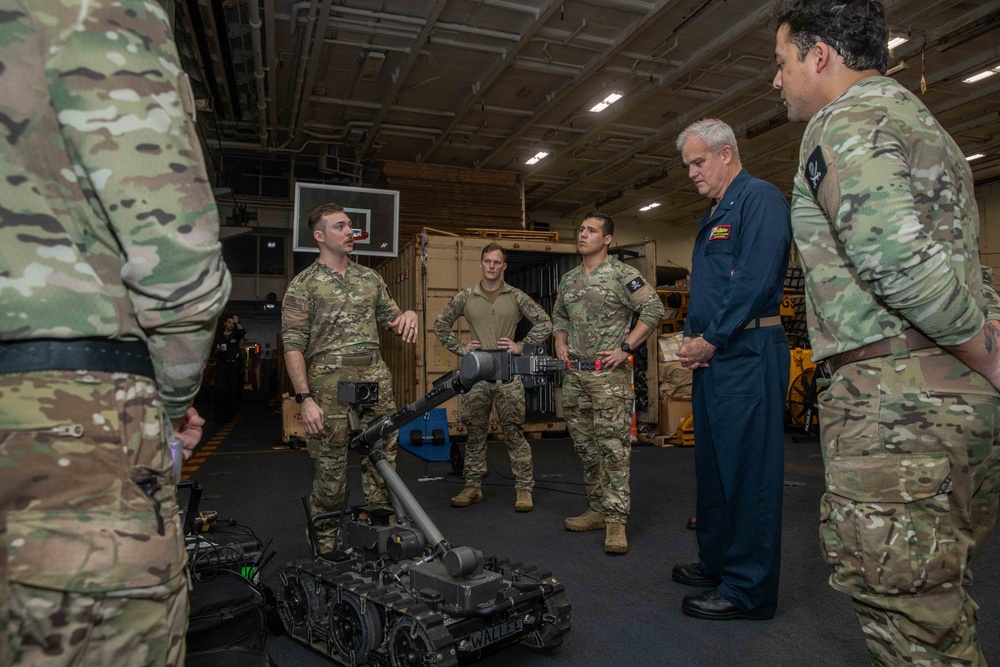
(523, 502)
(615, 541)
(470, 495)
(589, 520)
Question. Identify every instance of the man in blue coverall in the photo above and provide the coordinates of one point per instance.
(734, 342)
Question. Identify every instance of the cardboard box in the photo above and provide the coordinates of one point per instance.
(668, 345)
(291, 421)
(673, 411)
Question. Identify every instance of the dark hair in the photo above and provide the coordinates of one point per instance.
(855, 28)
(607, 224)
(492, 248)
(317, 214)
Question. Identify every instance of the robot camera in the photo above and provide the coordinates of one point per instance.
(361, 394)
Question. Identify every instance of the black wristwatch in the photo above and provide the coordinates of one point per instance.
(301, 397)
(626, 348)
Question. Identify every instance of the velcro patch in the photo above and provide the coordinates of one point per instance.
(720, 233)
(293, 302)
(816, 170)
(635, 285)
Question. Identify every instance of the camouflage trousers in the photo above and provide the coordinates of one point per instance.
(598, 411)
(508, 399)
(330, 452)
(912, 463)
(91, 567)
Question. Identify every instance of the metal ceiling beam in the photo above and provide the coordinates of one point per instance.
(749, 24)
(481, 87)
(401, 75)
(696, 61)
(625, 37)
(311, 65)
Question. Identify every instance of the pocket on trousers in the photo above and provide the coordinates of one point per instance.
(91, 551)
(885, 523)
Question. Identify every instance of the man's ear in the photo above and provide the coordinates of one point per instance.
(824, 55)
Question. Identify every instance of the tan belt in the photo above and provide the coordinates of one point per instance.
(913, 339)
(347, 359)
(773, 321)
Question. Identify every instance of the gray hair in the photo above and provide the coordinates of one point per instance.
(713, 132)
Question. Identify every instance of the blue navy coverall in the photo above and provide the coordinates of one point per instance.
(738, 272)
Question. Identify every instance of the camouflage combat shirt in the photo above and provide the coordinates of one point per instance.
(489, 322)
(596, 310)
(886, 224)
(325, 312)
(108, 225)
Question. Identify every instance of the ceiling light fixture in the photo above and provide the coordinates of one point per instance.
(650, 207)
(974, 156)
(540, 155)
(897, 41)
(606, 102)
(985, 74)
(371, 65)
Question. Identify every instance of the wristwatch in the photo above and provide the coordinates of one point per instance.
(626, 348)
(301, 397)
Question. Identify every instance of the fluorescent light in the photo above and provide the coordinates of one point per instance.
(982, 75)
(897, 41)
(606, 102)
(540, 155)
(974, 156)
(649, 207)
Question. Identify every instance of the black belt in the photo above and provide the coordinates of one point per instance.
(99, 355)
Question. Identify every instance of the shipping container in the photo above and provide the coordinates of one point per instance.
(432, 268)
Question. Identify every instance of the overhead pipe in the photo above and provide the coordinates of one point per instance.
(300, 77)
(258, 70)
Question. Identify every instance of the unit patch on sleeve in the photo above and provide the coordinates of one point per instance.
(292, 302)
(816, 170)
(635, 285)
(720, 233)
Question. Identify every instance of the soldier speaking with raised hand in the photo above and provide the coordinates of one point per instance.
(592, 319)
(112, 281)
(329, 328)
(886, 223)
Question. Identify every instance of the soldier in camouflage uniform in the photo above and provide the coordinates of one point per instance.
(329, 329)
(737, 348)
(112, 282)
(592, 319)
(493, 310)
(886, 223)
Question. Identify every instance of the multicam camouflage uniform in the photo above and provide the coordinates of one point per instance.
(333, 319)
(488, 323)
(595, 311)
(108, 232)
(885, 220)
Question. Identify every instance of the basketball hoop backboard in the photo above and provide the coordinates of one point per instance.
(374, 215)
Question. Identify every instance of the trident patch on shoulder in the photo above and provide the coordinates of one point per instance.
(816, 170)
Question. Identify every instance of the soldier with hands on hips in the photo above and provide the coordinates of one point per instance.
(493, 309)
(592, 319)
(329, 328)
(905, 318)
(112, 283)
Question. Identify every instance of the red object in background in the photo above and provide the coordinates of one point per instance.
(360, 235)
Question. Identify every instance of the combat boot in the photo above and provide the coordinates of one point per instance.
(614, 539)
(589, 520)
(523, 502)
(470, 495)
